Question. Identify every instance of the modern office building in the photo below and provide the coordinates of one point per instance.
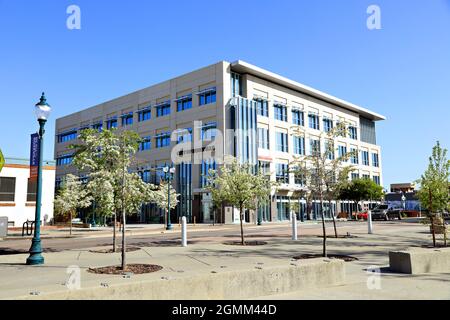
(18, 192)
(227, 109)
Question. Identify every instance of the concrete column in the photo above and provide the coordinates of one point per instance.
(294, 226)
(184, 232)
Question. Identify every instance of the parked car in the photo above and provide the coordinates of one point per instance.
(385, 212)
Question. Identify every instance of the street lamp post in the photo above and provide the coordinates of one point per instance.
(404, 202)
(168, 172)
(42, 110)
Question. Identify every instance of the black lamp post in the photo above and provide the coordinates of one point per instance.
(42, 110)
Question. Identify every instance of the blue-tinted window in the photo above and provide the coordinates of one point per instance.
(342, 151)
(314, 121)
(314, 147)
(64, 160)
(146, 144)
(207, 97)
(298, 117)
(163, 140)
(127, 119)
(365, 158)
(207, 165)
(209, 131)
(329, 148)
(111, 123)
(144, 115)
(282, 142)
(327, 124)
(98, 126)
(299, 145)
(184, 103)
(375, 160)
(355, 176)
(282, 173)
(280, 112)
(353, 133)
(354, 157)
(263, 138)
(184, 135)
(68, 136)
(377, 180)
(262, 107)
(163, 109)
(236, 84)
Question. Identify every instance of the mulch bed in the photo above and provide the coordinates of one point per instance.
(131, 268)
(247, 243)
(331, 256)
(118, 250)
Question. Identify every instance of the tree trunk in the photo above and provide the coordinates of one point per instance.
(124, 248)
(71, 217)
(334, 220)
(241, 213)
(114, 232)
(431, 218)
(323, 228)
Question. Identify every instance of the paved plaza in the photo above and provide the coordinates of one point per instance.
(206, 255)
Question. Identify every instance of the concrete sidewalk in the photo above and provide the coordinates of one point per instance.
(202, 259)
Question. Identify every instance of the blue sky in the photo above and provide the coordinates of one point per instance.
(401, 71)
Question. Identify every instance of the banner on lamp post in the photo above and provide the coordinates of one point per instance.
(34, 156)
(2, 160)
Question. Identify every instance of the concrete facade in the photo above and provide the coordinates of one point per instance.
(238, 90)
(22, 205)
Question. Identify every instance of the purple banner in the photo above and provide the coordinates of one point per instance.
(34, 155)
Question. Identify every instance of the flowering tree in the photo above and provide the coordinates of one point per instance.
(238, 186)
(161, 197)
(107, 157)
(323, 172)
(73, 195)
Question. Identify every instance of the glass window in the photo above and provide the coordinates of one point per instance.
(7, 189)
(282, 142)
(298, 117)
(184, 103)
(354, 157)
(207, 97)
(98, 126)
(329, 148)
(146, 144)
(365, 158)
(209, 131)
(64, 160)
(314, 147)
(263, 138)
(69, 136)
(327, 124)
(127, 119)
(264, 167)
(342, 151)
(353, 133)
(314, 121)
(236, 84)
(355, 176)
(144, 115)
(163, 140)
(111, 123)
(282, 173)
(375, 160)
(163, 109)
(184, 135)
(299, 145)
(262, 107)
(207, 165)
(377, 180)
(31, 190)
(280, 112)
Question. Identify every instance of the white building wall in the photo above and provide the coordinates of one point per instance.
(20, 210)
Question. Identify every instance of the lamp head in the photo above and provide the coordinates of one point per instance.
(42, 108)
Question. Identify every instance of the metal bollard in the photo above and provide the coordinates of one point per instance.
(369, 221)
(294, 227)
(184, 232)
